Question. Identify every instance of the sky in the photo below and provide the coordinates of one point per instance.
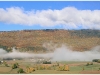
(22, 15)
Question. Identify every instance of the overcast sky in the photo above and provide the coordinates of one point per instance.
(49, 15)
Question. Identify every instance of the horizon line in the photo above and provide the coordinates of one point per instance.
(43, 29)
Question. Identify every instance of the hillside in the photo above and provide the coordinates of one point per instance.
(33, 40)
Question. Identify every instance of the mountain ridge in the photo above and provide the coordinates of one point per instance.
(33, 40)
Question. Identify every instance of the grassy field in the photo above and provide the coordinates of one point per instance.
(74, 67)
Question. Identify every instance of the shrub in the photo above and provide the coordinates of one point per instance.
(29, 70)
(98, 61)
(6, 65)
(15, 66)
(87, 64)
(95, 60)
(91, 63)
(66, 68)
(20, 71)
(46, 62)
(49, 62)
(99, 68)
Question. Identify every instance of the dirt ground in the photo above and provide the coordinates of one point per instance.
(90, 72)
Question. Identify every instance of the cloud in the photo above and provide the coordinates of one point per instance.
(68, 17)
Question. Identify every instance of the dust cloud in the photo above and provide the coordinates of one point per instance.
(63, 53)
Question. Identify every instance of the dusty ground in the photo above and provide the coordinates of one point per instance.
(90, 72)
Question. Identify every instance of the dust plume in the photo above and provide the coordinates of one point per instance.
(62, 53)
(65, 54)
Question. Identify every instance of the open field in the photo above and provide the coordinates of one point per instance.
(75, 67)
